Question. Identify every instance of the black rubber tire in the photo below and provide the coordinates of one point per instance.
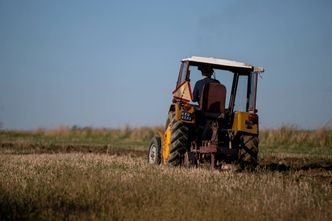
(248, 151)
(179, 143)
(154, 151)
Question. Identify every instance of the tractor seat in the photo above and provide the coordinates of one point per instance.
(213, 99)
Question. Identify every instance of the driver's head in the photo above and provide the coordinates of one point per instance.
(206, 70)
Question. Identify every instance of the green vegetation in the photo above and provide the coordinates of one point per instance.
(64, 139)
(102, 174)
(291, 140)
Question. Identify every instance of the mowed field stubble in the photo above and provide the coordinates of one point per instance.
(102, 174)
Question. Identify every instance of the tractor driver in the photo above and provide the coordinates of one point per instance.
(206, 73)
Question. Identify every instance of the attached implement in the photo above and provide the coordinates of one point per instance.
(217, 122)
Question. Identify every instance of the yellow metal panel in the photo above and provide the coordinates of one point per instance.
(167, 142)
(240, 123)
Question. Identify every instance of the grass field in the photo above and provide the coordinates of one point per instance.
(102, 174)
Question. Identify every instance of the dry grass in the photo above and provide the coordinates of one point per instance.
(100, 174)
(102, 187)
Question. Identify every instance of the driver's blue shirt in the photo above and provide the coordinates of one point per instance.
(199, 87)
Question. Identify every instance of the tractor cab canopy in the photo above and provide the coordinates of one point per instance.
(223, 64)
(240, 80)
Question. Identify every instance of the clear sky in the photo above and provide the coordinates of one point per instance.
(114, 63)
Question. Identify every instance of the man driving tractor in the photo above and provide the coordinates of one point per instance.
(206, 73)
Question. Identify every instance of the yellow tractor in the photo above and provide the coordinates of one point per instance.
(216, 122)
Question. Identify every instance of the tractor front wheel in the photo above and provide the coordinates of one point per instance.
(154, 151)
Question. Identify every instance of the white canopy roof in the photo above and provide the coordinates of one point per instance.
(224, 63)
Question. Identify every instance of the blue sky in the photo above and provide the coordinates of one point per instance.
(115, 63)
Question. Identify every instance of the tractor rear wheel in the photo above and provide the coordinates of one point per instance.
(154, 151)
(178, 143)
(248, 151)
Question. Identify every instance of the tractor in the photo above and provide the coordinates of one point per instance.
(220, 128)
